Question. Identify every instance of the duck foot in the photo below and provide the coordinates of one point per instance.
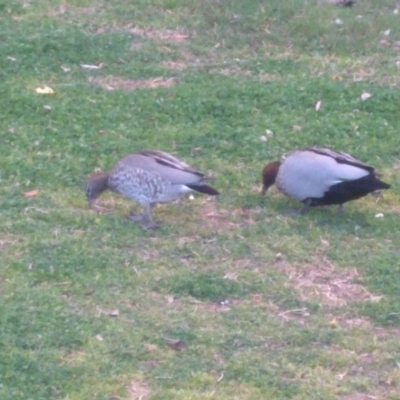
(144, 222)
(150, 225)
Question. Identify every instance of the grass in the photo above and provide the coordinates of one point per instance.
(258, 303)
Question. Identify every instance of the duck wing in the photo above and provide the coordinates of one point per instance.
(170, 161)
(341, 157)
(164, 165)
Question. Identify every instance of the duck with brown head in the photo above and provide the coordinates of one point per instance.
(148, 177)
(319, 176)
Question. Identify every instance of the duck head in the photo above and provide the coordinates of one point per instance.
(96, 184)
(269, 175)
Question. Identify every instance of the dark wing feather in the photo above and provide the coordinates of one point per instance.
(341, 157)
(170, 161)
(206, 189)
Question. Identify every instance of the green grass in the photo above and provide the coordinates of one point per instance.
(269, 306)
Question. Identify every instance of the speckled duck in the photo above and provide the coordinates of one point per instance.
(148, 177)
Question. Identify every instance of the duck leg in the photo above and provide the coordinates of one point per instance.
(306, 206)
(145, 219)
(148, 222)
(139, 217)
(299, 211)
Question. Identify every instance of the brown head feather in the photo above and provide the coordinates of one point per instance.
(96, 184)
(269, 174)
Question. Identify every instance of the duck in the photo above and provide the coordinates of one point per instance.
(148, 177)
(319, 176)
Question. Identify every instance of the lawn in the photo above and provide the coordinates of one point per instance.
(233, 298)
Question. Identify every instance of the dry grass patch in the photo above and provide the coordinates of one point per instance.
(254, 300)
(357, 70)
(365, 323)
(74, 357)
(321, 280)
(237, 71)
(358, 396)
(234, 70)
(173, 36)
(175, 65)
(115, 83)
(300, 315)
(382, 332)
(68, 9)
(213, 218)
(7, 241)
(213, 307)
(349, 322)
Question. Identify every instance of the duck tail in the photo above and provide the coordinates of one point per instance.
(381, 185)
(206, 189)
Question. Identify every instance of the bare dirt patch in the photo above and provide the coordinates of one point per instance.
(216, 219)
(383, 332)
(332, 286)
(115, 83)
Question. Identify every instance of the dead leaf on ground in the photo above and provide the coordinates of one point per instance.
(114, 313)
(365, 96)
(151, 347)
(92, 66)
(99, 338)
(176, 344)
(385, 42)
(32, 193)
(44, 90)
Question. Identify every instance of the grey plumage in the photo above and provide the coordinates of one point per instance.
(318, 176)
(148, 177)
